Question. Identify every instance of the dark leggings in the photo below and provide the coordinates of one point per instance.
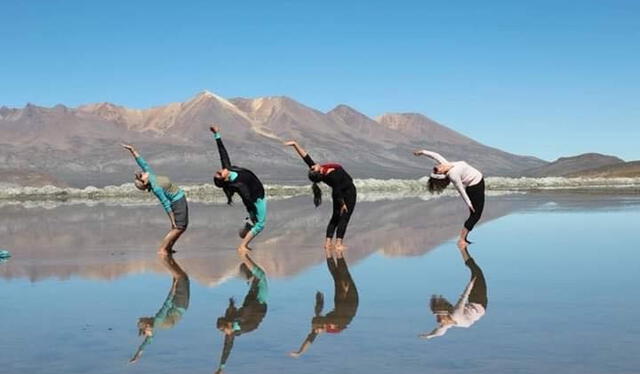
(476, 195)
(338, 223)
(478, 293)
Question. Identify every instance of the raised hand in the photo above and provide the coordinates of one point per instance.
(128, 147)
(290, 143)
(417, 153)
(214, 129)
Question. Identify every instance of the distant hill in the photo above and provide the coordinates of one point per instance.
(621, 170)
(80, 146)
(568, 165)
(28, 178)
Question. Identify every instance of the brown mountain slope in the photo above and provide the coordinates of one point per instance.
(629, 169)
(568, 165)
(81, 145)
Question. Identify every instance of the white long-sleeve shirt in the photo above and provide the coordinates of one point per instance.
(465, 313)
(461, 174)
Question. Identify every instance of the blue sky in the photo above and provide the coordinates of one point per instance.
(545, 78)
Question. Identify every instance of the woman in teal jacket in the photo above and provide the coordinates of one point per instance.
(171, 197)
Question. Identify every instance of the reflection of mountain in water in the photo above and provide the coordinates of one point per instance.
(106, 242)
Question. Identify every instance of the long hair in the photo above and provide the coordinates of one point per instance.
(440, 305)
(316, 177)
(229, 314)
(142, 324)
(437, 185)
(221, 183)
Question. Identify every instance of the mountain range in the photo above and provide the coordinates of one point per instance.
(80, 146)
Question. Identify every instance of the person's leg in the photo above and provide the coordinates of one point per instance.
(180, 210)
(169, 240)
(478, 293)
(332, 225)
(350, 201)
(259, 219)
(476, 195)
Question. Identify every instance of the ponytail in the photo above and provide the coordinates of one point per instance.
(317, 194)
(221, 183)
(316, 177)
(227, 191)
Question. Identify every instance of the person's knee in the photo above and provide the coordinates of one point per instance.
(468, 224)
(258, 227)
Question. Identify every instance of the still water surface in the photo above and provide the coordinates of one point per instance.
(561, 278)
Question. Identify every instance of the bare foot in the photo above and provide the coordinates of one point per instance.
(243, 250)
(294, 354)
(328, 246)
(340, 247)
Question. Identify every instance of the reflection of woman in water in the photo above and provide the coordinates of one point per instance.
(343, 194)
(233, 179)
(171, 197)
(174, 306)
(345, 303)
(471, 306)
(467, 180)
(236, 322)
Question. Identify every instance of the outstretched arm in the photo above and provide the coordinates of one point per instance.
(433, 155)
(305, 345)
(140, 350)
(303, 154)
(465, 295)
(226, 351)
(224, 156)
(141, 161)
(457, 182)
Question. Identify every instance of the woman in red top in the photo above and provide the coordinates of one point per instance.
(343, 194)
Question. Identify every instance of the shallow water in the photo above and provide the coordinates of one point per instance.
(561, 271)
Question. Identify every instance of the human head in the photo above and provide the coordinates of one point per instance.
(437, 181)
(141, 181)
(145, 326)
(221, 180)
(220, 177)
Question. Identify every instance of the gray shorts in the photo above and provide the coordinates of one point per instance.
(181, 212)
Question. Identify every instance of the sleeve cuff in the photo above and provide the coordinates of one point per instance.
(217, 136)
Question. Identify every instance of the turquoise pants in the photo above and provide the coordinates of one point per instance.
(260, 217)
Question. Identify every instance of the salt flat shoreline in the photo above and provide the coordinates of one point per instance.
(371, 189)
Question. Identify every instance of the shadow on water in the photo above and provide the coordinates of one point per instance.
(345, 302)
(238, 321)
(174, 306)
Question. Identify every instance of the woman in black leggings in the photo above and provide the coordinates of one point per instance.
(343, 194)
(466, 179)
(345, 302)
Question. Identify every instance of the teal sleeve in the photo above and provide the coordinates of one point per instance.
(159, 192)
(217, 136)
(143, 164)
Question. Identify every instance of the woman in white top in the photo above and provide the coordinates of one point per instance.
(471, 306)
(466, 179)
